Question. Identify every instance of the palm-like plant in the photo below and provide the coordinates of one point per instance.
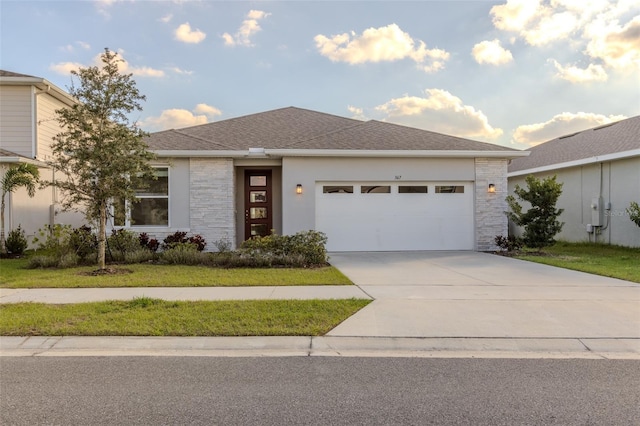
(24, 175)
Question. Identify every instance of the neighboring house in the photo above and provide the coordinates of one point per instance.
(27, 125)
(367, 185)
(600, 169)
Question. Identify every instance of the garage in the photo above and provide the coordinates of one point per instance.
(396, 216)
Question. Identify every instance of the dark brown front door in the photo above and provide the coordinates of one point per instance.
(257, 203)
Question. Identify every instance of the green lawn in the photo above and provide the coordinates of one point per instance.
(154, 317)
(600, 259)
(13, 275)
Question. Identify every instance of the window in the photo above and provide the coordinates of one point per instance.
(413, 189)
(375, 189)
(337, 189)
(152, 204)
(450, 189)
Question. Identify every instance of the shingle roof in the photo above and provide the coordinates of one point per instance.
(612, 138)
(297, 128)
(4, 73)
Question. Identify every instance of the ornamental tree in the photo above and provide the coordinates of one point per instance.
(23, 175)
(540, 222)
(100, 154)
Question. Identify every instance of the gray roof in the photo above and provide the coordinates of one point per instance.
(4, 73)
(297, 128)
(620, 136)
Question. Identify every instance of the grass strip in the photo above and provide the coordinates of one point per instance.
(600, 259)
(154, 317)
(13, 275)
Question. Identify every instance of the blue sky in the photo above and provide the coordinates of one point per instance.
(514, 73)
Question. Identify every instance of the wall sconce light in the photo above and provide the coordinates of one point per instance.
(298, 189)
(492, 188)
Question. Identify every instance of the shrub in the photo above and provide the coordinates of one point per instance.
(54, 239)
(302, 249)
(83, 242)
(120, 242)
(141, 255)
(184, 254)
(16, 242)
(148, 243)
(67, 260)
(540, 222)
(223, 245)
(634, 212)
(180, 237)
(509, 243)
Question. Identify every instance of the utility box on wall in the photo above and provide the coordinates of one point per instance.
(597, 214)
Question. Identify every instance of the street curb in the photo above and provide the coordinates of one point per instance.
(333, 346)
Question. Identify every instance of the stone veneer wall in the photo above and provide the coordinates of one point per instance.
(212, 200)
(490, 207)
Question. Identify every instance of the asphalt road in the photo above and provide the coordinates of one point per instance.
(317, 391)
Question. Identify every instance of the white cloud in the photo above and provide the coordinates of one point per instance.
(561, 124)
(72, 47)
(581, 75)
(185, 34)
(65, 68)
(442, 112)
(180, 118)
(491, 52)
(208, 110)
(605, 29)
(618, 46)
(357, 113)
(180, 71)
(384, 44)
(166, 18)
(249, 27)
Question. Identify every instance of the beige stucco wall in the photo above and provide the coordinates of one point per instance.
(618, 182)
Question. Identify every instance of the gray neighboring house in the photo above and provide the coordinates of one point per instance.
(600, 169)
(370, 185)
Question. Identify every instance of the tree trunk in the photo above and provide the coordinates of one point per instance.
(102, 237)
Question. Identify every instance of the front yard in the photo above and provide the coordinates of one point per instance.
(13, 275)
(600, 259)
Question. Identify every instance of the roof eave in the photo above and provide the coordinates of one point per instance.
(575, 163)
(42, 84)
(20, 159)
(393, 153)
(204, 153)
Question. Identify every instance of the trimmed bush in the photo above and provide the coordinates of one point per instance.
(302, 249)
(121, 242)
(180, 237)
(510, 243)
(141, 255)
(184, 254)
(83, 242)
(16, 242)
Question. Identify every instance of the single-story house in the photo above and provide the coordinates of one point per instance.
(27, 125)
(600, 170)
(368, 185)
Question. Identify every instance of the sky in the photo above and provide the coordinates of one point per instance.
(511, 72)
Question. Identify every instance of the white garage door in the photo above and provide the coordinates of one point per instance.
(366, 216)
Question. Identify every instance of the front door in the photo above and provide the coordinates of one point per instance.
(257, 203)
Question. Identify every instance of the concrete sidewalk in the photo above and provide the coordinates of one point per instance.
(81, 295)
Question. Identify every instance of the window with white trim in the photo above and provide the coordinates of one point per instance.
(152, 203)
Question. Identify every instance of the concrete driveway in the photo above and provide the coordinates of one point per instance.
(479, 295)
